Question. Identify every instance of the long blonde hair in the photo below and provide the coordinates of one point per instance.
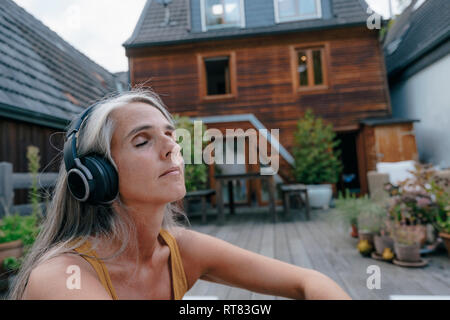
(69, 223)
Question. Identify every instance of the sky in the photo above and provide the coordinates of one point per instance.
(98, 28)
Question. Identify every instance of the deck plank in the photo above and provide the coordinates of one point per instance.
(322, 245)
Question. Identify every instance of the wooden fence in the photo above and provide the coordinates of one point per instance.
(10, 181)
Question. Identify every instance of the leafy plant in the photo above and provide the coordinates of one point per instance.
(196, 175)
(372, 217)
(316, 158)
(17, 227)
(33, 167)
(411, 201)
(407, 234)
(442, 208)
(11, 264)
(347, 208)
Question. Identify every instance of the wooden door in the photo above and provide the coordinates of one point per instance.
(395, 143)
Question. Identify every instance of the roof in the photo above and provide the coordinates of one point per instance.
(43, 79)
(421, 28)
(384, 121)
(150, 32)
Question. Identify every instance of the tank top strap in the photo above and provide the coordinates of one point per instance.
(180, 286)
(86, 250)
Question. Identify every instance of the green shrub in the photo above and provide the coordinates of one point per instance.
(33, 167)
(17, 227)
(316, 159)
(196, 175)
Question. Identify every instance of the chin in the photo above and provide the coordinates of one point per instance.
(177, 193)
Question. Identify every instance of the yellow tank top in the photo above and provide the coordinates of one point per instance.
(179, 282)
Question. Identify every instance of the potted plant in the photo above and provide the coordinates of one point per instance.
(347, 211)
(17, 234)
(442, 210)
(317, 163)
(382, 241)
(411, 201)
(370, 220)
(407, 242)
(196, 175)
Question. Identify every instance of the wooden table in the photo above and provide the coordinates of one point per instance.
(298, 190)
(199, 194)
(249, 175)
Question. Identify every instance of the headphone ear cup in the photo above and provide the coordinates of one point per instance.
(104, 177)
(79, 185)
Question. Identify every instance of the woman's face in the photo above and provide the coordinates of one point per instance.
(143, 147)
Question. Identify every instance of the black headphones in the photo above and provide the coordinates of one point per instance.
(91, 178)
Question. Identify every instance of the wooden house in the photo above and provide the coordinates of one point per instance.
(44, 83)
(262, 63)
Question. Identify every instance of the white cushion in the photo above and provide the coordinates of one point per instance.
(398, 171)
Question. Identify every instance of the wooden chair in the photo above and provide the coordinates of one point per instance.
(298, 190)
(202, 195)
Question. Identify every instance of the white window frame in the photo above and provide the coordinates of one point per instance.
(303, 17)
(203, 14)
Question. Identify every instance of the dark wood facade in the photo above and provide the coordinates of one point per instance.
(16, 136)
(355, 85)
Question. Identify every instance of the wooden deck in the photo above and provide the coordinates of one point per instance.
(321, 245)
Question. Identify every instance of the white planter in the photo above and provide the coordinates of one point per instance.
(319, 195)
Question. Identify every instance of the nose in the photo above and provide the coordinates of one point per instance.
(169, 148)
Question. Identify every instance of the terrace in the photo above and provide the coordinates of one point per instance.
(323, 246)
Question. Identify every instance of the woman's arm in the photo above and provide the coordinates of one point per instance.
(222, 262)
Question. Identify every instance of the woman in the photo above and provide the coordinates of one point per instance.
(133, 247)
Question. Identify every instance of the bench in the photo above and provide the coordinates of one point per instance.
(301, 193)
(202, 195)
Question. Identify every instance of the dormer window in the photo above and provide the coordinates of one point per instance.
(292, 10)
(217, 14)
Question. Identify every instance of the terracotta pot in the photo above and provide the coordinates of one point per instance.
(446, 238)
(354, 232)
(407, 253)
(10, 249)
(365, 235)
(383, 242)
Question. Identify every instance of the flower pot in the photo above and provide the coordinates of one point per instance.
(319, 195)
(366, 235)
(446, 238)
(10, 249)
(354, 232)
(383, 242)
(407, 253)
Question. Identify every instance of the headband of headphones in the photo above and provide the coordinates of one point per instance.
(70, 147)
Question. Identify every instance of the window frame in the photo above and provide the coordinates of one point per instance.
(318, 15)
(203, 18)
(309, 48)
(203, 86)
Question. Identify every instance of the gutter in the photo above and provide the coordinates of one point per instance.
(210, 37)
(33, 117)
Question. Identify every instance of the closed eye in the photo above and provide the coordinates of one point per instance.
(141, 144)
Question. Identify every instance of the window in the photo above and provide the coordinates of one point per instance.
(217, 75)
(309, 68)
(217, 71)
(222, 13)
(291, 10)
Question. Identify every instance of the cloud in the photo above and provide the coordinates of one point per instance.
(96, 28)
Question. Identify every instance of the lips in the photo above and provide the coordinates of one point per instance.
(174, 170)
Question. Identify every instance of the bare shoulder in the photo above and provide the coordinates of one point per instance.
(55, 279)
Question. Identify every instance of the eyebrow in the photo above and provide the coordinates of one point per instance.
(146, 127)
